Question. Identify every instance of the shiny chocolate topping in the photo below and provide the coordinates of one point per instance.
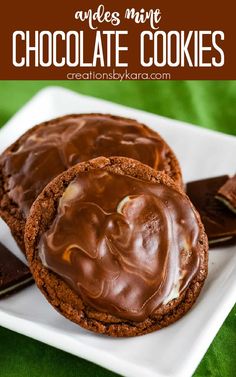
(51, 149)
(126, 246)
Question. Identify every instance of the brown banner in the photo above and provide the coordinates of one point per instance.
(123, 40)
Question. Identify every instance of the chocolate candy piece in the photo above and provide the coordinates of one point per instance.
(227, 194)
(14, 274)
(219, 221)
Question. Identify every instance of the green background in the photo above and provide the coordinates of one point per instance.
(210, 104)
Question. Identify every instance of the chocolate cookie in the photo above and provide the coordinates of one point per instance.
(117, 247)
(50, 148)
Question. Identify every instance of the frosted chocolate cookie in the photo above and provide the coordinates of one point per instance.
(117, 247)
(50, 148)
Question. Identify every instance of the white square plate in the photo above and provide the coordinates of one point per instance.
(176, 350)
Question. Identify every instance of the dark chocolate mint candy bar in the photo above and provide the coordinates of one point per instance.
(14, 274)
(227, 194)
(219, 221)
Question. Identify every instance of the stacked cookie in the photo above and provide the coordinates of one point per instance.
(96, 203)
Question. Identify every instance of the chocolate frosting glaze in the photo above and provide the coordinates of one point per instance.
(125, 245)
(51, 149)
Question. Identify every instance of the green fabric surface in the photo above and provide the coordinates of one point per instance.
(210, 104)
